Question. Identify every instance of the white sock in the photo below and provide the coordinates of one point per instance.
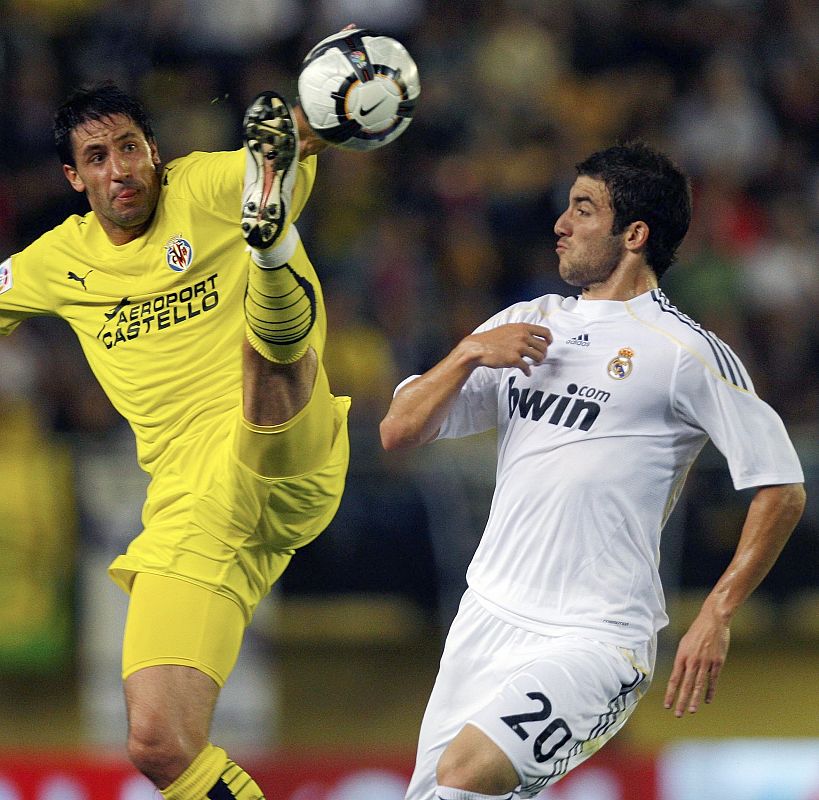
(279, 254)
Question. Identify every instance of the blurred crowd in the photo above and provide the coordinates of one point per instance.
(420, 242)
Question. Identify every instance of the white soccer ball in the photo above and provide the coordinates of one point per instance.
(358, 89)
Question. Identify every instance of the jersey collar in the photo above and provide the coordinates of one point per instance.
(598, 309)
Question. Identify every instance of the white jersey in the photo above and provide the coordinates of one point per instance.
(593, 449)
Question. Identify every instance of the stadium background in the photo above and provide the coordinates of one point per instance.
(416, 245)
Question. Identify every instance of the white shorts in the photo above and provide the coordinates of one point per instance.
(547, 702)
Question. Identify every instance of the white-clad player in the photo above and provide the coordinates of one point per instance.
(602, 403)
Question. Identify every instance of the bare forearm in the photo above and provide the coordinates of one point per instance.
(419, 409)
(771, 518)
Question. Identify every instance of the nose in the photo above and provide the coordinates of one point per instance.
(561, 225)
(120, 167)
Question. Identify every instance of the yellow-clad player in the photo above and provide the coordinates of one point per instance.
(202, 317)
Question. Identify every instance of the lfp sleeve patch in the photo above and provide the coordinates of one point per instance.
(5, 276)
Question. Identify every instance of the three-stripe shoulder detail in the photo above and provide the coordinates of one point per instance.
(727, 362)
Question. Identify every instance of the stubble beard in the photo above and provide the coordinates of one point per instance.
(592, 268)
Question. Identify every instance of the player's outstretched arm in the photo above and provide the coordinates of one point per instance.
(771, 518)
(419, 408)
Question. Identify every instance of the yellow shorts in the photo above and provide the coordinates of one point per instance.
(235, 532)
(171, 621)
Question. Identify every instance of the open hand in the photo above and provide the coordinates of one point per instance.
(697, 665)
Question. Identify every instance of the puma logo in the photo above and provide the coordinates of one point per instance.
(72, 276)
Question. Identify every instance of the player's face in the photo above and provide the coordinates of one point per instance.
(587, 250)
(116, 167)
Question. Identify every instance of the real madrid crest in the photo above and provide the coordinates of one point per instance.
(621, 365)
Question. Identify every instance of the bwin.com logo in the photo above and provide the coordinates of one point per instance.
(568, 411)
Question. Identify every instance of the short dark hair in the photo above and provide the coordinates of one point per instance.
(95, 103)
(647, 185)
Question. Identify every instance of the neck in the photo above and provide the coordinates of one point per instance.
(119, 235)
(623, 284)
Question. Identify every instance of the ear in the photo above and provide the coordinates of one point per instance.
(154, 152)
(73, 177)
(636, 235)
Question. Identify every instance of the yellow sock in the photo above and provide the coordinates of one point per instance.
(213, 776)
(281, 302)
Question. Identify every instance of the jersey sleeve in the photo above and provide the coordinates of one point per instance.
(476, 408)
(216, 180)
(213, 179)
(22, 289)
(744, 428)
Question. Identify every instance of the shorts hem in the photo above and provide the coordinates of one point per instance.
(341, 408)
(175, 661)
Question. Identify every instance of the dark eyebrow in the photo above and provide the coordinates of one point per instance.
(131, 133)
(88, 151)
(91, 147)
(583, 198)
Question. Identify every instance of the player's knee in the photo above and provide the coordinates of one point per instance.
(157, 750)
(476, 765)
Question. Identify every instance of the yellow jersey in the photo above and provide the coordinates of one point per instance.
(160, 319)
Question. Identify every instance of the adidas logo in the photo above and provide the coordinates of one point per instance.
(581, 340)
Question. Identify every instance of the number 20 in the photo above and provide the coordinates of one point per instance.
(515, 722)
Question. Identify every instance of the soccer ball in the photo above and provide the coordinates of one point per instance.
(358, 89)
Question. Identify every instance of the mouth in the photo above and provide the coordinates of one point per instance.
(126, 194)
